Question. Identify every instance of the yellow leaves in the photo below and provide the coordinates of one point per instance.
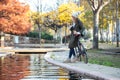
(81, 8)
(36, 16)
(58, 17)
(65, 11)
(81, 17)
(104, 20)
(62, 8)
(64, 14)
(64, 17)
(104, 23)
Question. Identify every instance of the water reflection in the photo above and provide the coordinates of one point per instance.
(29, 67)
(14, 67)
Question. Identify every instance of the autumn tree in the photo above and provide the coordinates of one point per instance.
(88, 23)
(97, 6)
(105, 22)
(37, 17)
(13, 18)
(56, 19)
(116, 4)
(51, 20)
(65, 12)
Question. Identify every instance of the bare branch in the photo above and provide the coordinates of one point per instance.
(100, 3)
(91, 4)
(104, 4)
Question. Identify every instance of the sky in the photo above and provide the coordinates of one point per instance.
(47, 5)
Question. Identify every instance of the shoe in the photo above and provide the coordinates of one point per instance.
(74, 59)
(77, 59)
(67, 61)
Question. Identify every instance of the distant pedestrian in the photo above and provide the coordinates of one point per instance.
(76, 31)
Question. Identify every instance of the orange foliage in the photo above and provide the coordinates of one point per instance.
(13, 17)
(14, 67)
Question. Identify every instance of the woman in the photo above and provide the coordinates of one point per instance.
(76, 31)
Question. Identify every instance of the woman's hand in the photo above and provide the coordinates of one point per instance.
(76, 33)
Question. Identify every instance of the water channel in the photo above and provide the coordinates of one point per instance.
(31, 67)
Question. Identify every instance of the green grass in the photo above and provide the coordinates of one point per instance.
(96, 57)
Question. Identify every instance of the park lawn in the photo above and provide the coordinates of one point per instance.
(97, 57)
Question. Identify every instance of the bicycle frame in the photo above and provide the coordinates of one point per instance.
(80, 50)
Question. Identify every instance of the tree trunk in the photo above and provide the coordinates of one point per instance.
(95, 30)
(117, 32)
(101, 30)
(117, 24)
(65, 34)
(60, 35)
(97, 6)
(109, 33)
(2, 40)
(101, 35)
(39, 33)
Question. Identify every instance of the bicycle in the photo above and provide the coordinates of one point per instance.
(81, 52)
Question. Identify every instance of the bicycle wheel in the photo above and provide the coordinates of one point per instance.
(85, 57)
(82, 53)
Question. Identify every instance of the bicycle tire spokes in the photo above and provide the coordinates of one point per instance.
(82, 54)
(85, 58)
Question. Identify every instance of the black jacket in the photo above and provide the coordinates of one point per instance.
(73, 39)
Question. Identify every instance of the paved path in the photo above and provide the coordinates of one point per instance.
(98, 72)
(11, 50)
(57, 58)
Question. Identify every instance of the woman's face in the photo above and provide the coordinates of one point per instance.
(74, 19)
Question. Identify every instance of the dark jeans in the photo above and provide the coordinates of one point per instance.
(71, 52)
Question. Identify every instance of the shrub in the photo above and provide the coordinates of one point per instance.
(33, 34)
(47, 36)
(44, 35)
